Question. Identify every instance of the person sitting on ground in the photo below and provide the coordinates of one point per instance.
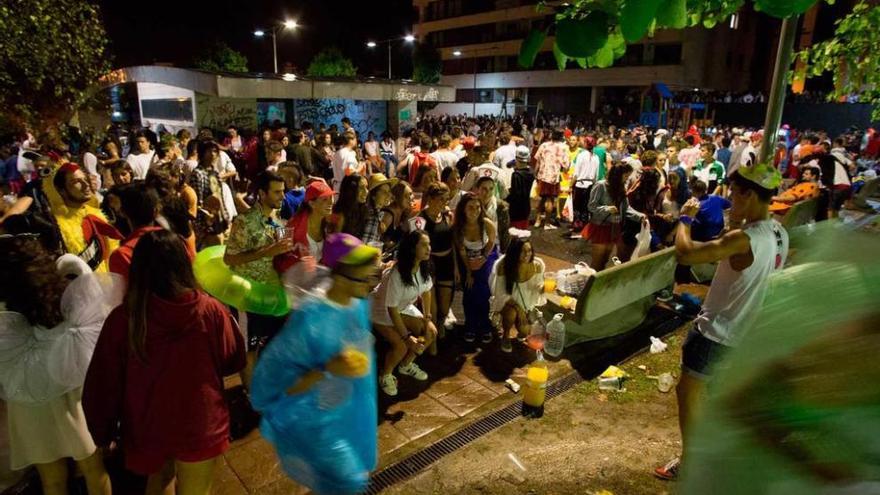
(157, 371)
(807, 188)
(388, 150)
(406, 328)
(708, 223)
(517, 284)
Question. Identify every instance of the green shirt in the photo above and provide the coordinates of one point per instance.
(599, 151)
(712, 172)
(251, 230)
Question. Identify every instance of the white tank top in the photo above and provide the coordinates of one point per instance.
(735, 298)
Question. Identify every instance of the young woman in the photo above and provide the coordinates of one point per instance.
(324, 156)
(438, 225)
(379, 197)
(424, 178)
(179, 202)
(517, 283)
(309, 226)
(158, 370)
(608, 209)
(213, 218)
(395, 215)
(371, 154)
(47, 336)
(450, 177)
(349, 212)
(474, 237)
(647, 198)
(406, 328)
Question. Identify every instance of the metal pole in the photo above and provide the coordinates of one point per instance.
(389, 60)
(777, 90)
(274, 51)
(474, 98)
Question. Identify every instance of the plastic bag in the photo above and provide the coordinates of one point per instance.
(643, 242)
(568, 210)
(657, 345)
(326, 436)
(574, 280)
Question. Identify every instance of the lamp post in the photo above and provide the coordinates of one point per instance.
(372, 44)
(259, 33)
(473, 54)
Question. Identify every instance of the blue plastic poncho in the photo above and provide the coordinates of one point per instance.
(326, 436)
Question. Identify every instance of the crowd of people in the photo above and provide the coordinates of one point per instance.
(136, 360)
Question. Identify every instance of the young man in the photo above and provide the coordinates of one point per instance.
(140, 206)
(444, 156)
(301, 152)
(551, 158)
(754, 248)
(807, 188)
(521, 182)
(345, 160)
(315, 384)
(710, 170)
(253, 242)
(709, 221)
(417, 158)
(142, 160)
(506, 153)
(586, 168)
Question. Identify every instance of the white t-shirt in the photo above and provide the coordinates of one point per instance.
(224, 164)
(344, 162)
(371, 148)
(90, 162)
(316, 248)
(586, 167)
(445, 158)
(504, 155)
(140, 164)
(393, 293)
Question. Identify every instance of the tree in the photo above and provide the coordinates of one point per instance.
(330, 62)
(850, 56)
(594, 33)
(427, 65)
(220, 58)
(52, 53)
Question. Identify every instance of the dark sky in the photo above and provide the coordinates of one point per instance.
(176, 30)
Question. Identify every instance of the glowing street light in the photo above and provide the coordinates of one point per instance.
(457, 53)
(289, 24)
(373, 44)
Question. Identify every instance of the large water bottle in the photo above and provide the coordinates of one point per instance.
(555, 336)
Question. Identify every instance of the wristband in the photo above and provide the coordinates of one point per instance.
(686, 220)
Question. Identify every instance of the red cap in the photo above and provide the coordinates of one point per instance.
(469, 142)
(567, 133)
(68, 168)
(318, 189)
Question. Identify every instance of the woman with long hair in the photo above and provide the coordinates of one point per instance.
(212, 220)
(309, 226)
(158, 370)
(395, 215)
(438, 225)
(47, 335)
(647, 198)
(474, 237)
(378, 197)
(349, 211)
(450, 177)
(517, 283)
(408, 329)
(179, 201)
(608, 209)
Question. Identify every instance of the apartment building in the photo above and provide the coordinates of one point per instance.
(479, 41)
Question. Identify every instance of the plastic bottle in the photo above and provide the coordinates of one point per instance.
(555, 336)
(538, 334)
(535, 391)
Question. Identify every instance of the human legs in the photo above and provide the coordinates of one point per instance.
(53, 477)
(420, 328)
(476, 302)
(162, 483)
(396, 353)
(599, 253)
(97, 479)
(195, 478)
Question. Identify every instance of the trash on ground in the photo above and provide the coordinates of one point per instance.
(512, 385)
(614, 383)
(665, 382)
(657, 345)
(643, 367)
(612, 372)
(515, 471)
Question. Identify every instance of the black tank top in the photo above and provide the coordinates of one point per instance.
(440, 233)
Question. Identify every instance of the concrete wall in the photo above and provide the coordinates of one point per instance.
(467, 108)
(613, 76)
(157, 91)
(365, 116)
(217, 113)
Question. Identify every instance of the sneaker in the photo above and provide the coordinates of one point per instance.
(469, 337)
(506, 345)
(550, 227)
(389, 385)
(450, 321)
(414, 371)
(664, 295)
(615, 260)
(486, 338)
(669, 472)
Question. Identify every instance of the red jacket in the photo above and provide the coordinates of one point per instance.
(120, 259)
(172, 403)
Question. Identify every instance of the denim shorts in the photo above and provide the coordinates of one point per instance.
(700, 356)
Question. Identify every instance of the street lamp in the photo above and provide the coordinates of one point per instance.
(372, 44)
(288, 24)
(473, 54)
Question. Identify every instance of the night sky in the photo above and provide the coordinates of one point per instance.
(174, 31)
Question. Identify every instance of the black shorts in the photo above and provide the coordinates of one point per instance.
(444, 267)
(838, 197)
(261, 329)
(700, 356)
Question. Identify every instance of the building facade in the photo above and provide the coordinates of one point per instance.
(479, 42)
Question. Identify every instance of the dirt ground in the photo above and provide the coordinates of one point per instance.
(588, 441)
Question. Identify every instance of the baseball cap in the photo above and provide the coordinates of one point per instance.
(346, 249)
(316, 190)
(523, 154)
(469, 142)
(762, 174)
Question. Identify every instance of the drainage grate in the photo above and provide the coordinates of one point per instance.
(412, 465)
(421, 460)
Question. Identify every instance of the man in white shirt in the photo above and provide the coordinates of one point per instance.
(140, 162)
(345, 161)
(586, 167)
(505, 155)
(444, 156)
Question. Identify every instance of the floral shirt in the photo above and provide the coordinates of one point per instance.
(551, 158)
(250, 231)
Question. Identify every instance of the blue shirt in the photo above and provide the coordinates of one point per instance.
(709, 221)
(290, 203)
(724, 157)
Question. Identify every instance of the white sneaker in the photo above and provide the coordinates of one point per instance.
(414, 371)
(389, 385)
(450, 321)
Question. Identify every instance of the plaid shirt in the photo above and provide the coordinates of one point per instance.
(206, 183)
(550, 159)
(371, 227)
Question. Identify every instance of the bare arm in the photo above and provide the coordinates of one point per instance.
(690, 252)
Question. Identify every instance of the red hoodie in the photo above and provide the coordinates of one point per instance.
(172, 404)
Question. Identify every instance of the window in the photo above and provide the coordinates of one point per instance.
(168, 109)
(667, 54)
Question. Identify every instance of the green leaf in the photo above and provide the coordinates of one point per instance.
(783, 8)
(709, 23)
(582, 62)
(636, 16)
(580, 38)
(618, 44)
(530, 47)
(673, 14)
(561, 59)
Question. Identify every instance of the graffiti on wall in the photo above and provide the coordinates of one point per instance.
(217, 113)
(365, 116)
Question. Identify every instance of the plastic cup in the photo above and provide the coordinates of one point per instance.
(549, 285)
